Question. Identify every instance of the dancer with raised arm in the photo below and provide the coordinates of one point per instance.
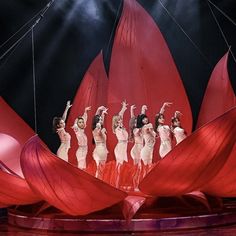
(59, 127)
(79, 127)
(179, 133)
(99, 135)
(164, 131)
(149, 137)
(137, 137)
(122, 137)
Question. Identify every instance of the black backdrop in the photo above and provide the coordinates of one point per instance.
(71, 34)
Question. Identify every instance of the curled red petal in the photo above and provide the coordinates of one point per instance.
(62, 185)
(219, 95)
(14, 133)
(195, 161)
(15, 190)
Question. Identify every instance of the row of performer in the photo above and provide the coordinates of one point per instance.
(142, 133)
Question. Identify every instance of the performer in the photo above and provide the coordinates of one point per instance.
(149, 137)
(59, 127)
(122, 137)
(99, 136)
(178, 131)
(78, 127)
(163, 131)
(137, 137)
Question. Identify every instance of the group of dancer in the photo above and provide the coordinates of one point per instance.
(141, 133)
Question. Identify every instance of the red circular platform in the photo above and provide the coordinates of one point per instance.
(106, 221)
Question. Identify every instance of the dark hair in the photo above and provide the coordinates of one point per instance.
(174, 119)
(55, 123)
(140, 118)
(158, 116)
(80, 118)
(96, 119)
(132, 125)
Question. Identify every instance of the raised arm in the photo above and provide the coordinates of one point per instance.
(68, 106)
(123, 109)
(104, 112)
(85, 115)
(166, 104)
(178, 114)
(132, 108)
(143, 109)
(99, 110)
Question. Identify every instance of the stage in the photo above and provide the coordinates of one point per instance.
(110, 221)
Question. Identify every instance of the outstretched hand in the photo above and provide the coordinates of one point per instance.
(124, 105)
(132, 107)
(68, 104)
(104, 111)
(101, 108)
(178, 113)
(144, 107)
(88, 108)
(167, 104)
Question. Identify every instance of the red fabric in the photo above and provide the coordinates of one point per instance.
(198, 197)
(131, 205)
(219, 95)
(15, 190)
(14, 133)
(224, 183)
(142, 70)
(92, 92)
(62, 185)
(195, 161)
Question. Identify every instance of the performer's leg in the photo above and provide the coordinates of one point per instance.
(117, 180)
(136, 178)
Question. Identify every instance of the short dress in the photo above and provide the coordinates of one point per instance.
(165, 137)
(65, 138)
(121, 147)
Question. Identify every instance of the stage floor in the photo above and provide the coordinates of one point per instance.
(146, 222)
(8, 230)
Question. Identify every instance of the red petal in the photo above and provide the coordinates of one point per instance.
(195, 161)
(62, 185)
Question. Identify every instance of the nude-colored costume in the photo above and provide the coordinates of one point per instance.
(165, 145)
(65, 137)
(82, 150)
(149, 137)
(100, 151)
(179, 134)
(121, 147)
(138, 145)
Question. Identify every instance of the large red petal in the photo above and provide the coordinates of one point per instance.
(142, 70)
(14, 133)
(62, 185)
(219, 95)
(15, 190)
(92, 92)
(195, 161)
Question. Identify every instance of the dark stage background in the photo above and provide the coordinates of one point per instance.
(71, 34)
